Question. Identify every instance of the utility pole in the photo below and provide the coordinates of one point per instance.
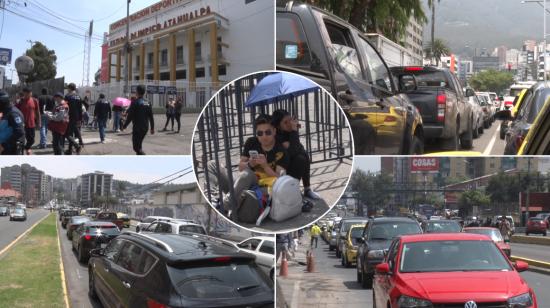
(127, 51)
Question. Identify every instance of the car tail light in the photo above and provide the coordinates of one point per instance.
(151, 303)
(222, 259)
(441, 106)
(390, 119)
(413, 68)
(508, 103)
(87, 237)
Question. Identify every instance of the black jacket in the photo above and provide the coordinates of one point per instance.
(17, 122)
(102, 109)
(46, 102)
(293, 138)
(75, 107)
(141, 113)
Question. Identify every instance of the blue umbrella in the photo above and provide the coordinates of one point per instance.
(279, 86)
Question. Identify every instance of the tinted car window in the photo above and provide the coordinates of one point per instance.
(106, 216)
(267, 247)
(222, 280)
(149, 220)
(344, 50)
(378, 70)
(129, 257)
(108, 230)
(431, 79)
(525, 105)
(193, 229)
(356, 233)
(389, 230)
(145, 263)
(292, 47)
(164, 228)
(112, 251)
(537, 104)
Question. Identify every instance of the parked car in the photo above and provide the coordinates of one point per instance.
(91, 235)
(91, 211)
(145, 222)
(545, 217)
(174, 227)
(349, 251)
(535, 98)
(494, 234)
(441, 226)
(478, 123)
(171, 270)
(4, 211)
(450, 270)
(513, 92)
(263, 248)
(504, 124)
(111, 217)
(487, 107)
(125, 219)
(18, 214)
(376, 239)
(345, 224)
(536, 225)
(537, 141)
(66, 216)
(340, 58)
(73, 223)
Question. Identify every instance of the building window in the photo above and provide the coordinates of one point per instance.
(219, 45)
(222, 70)
(164, 57)
(150, 57)
(182, 74)
(199, 72)
(179, 55)
(149, 77)
(165, 76)
(198, 54)
(138, 62)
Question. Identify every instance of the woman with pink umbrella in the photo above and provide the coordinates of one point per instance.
(119, 104)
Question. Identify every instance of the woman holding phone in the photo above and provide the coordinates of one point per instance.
(288, 137)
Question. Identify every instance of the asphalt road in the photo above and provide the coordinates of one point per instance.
(488, 143)
(539, 283)
(531, 251)
(10, 230)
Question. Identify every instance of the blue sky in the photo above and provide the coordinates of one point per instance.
(69, 50)
(144, 169)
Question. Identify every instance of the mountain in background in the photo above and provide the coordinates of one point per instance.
(485, 24)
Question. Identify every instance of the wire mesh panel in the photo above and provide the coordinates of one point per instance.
(226, 124)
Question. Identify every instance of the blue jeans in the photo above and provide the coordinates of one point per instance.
(44, 131)
(102, 123)
(117, 120)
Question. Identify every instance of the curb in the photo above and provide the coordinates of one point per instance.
(531, 262)
(62, 268)
(524, 239)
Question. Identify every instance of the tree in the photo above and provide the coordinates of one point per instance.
(389, 18)
(439, 49)
(492, 81)
(471, 198)
(370, 189)
(44, 63)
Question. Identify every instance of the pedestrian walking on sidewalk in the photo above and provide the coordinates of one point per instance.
(282, 246)
(170, 113)
(58, 123)
(46, 103)
(31, 112)
(141, 113)
(102, 113)
(75, 118)
(315, 232)
(177, 115)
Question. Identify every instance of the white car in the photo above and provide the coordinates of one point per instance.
(263, 247)
(174, 226)
(145, 222)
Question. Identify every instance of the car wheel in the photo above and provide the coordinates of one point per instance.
(359, 276)
(366, 280)
(347, 263)
(342, 260)
(91, 284)
(80, 255)
(502, 133)
(330, 248)
(417, 146)
(476, 133)
(137, 229)
(486, 124)
(271, 274)
(467, 140)
(544, 233)
(451, 144)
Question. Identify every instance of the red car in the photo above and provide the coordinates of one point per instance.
(449, 270)
(536, 225)
(494, 234)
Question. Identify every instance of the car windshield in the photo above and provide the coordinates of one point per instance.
(442, 226)
(219, 280)
(104, 229)
(389, 230)
(348, 223)
(515, 92)
(494, 234)
(3, 208)
(193, 229)
(452, 256)
(19, 211)
(356, 232)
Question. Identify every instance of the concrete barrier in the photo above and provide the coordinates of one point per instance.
(524, 239)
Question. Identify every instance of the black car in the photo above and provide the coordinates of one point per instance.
(160, 270)
(4, 211)
(376, 240)
(67, 215)
(441, 226)
(73, 223)
(533, 101)
(91, 235)
(340, 58)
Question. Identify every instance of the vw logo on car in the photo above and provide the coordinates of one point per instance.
(470, 304)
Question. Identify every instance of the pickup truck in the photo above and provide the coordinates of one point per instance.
(110, 217)
(341, 59)
(444, 107)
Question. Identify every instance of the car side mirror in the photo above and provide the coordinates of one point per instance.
(383, 268)
(505, 115)
(98, 252)
(407, 83)
(521, 266)
(470, 92)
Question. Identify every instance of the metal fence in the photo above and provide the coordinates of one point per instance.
(53, 86)
(226, 123)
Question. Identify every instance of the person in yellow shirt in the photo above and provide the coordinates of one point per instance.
(314, 232)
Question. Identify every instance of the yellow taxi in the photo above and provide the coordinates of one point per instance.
(349, 253)
(125, 219)
(537, 141)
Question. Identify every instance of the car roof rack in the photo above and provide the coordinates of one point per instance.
(155, 241)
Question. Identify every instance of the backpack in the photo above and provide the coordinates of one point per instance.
(251, 204)
(286, 198)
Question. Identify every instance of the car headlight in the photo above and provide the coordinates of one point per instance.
(406, 302)
(333, 233)
(520, 301)
(376, 254)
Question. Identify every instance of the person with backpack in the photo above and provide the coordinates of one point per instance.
(29, 107)
(76, 106)
(13, 128)
(102, 113)
(262, 161)
(46, 103)
(288, 136)
(58, 122)
(141, 113)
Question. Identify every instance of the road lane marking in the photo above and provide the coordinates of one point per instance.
(489, 147)
(63, 280)
(20, 236)
(78, 274)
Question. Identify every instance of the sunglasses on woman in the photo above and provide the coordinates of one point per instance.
(267, 132)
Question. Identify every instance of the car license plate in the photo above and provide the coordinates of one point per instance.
(103, 245)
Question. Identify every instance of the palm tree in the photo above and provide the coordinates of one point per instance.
(431, 4)
(437, 50)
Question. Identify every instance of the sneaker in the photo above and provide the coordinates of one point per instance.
(263, 215)
(78, 150)
(42, 146)
(103, 141)
(311, 194)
